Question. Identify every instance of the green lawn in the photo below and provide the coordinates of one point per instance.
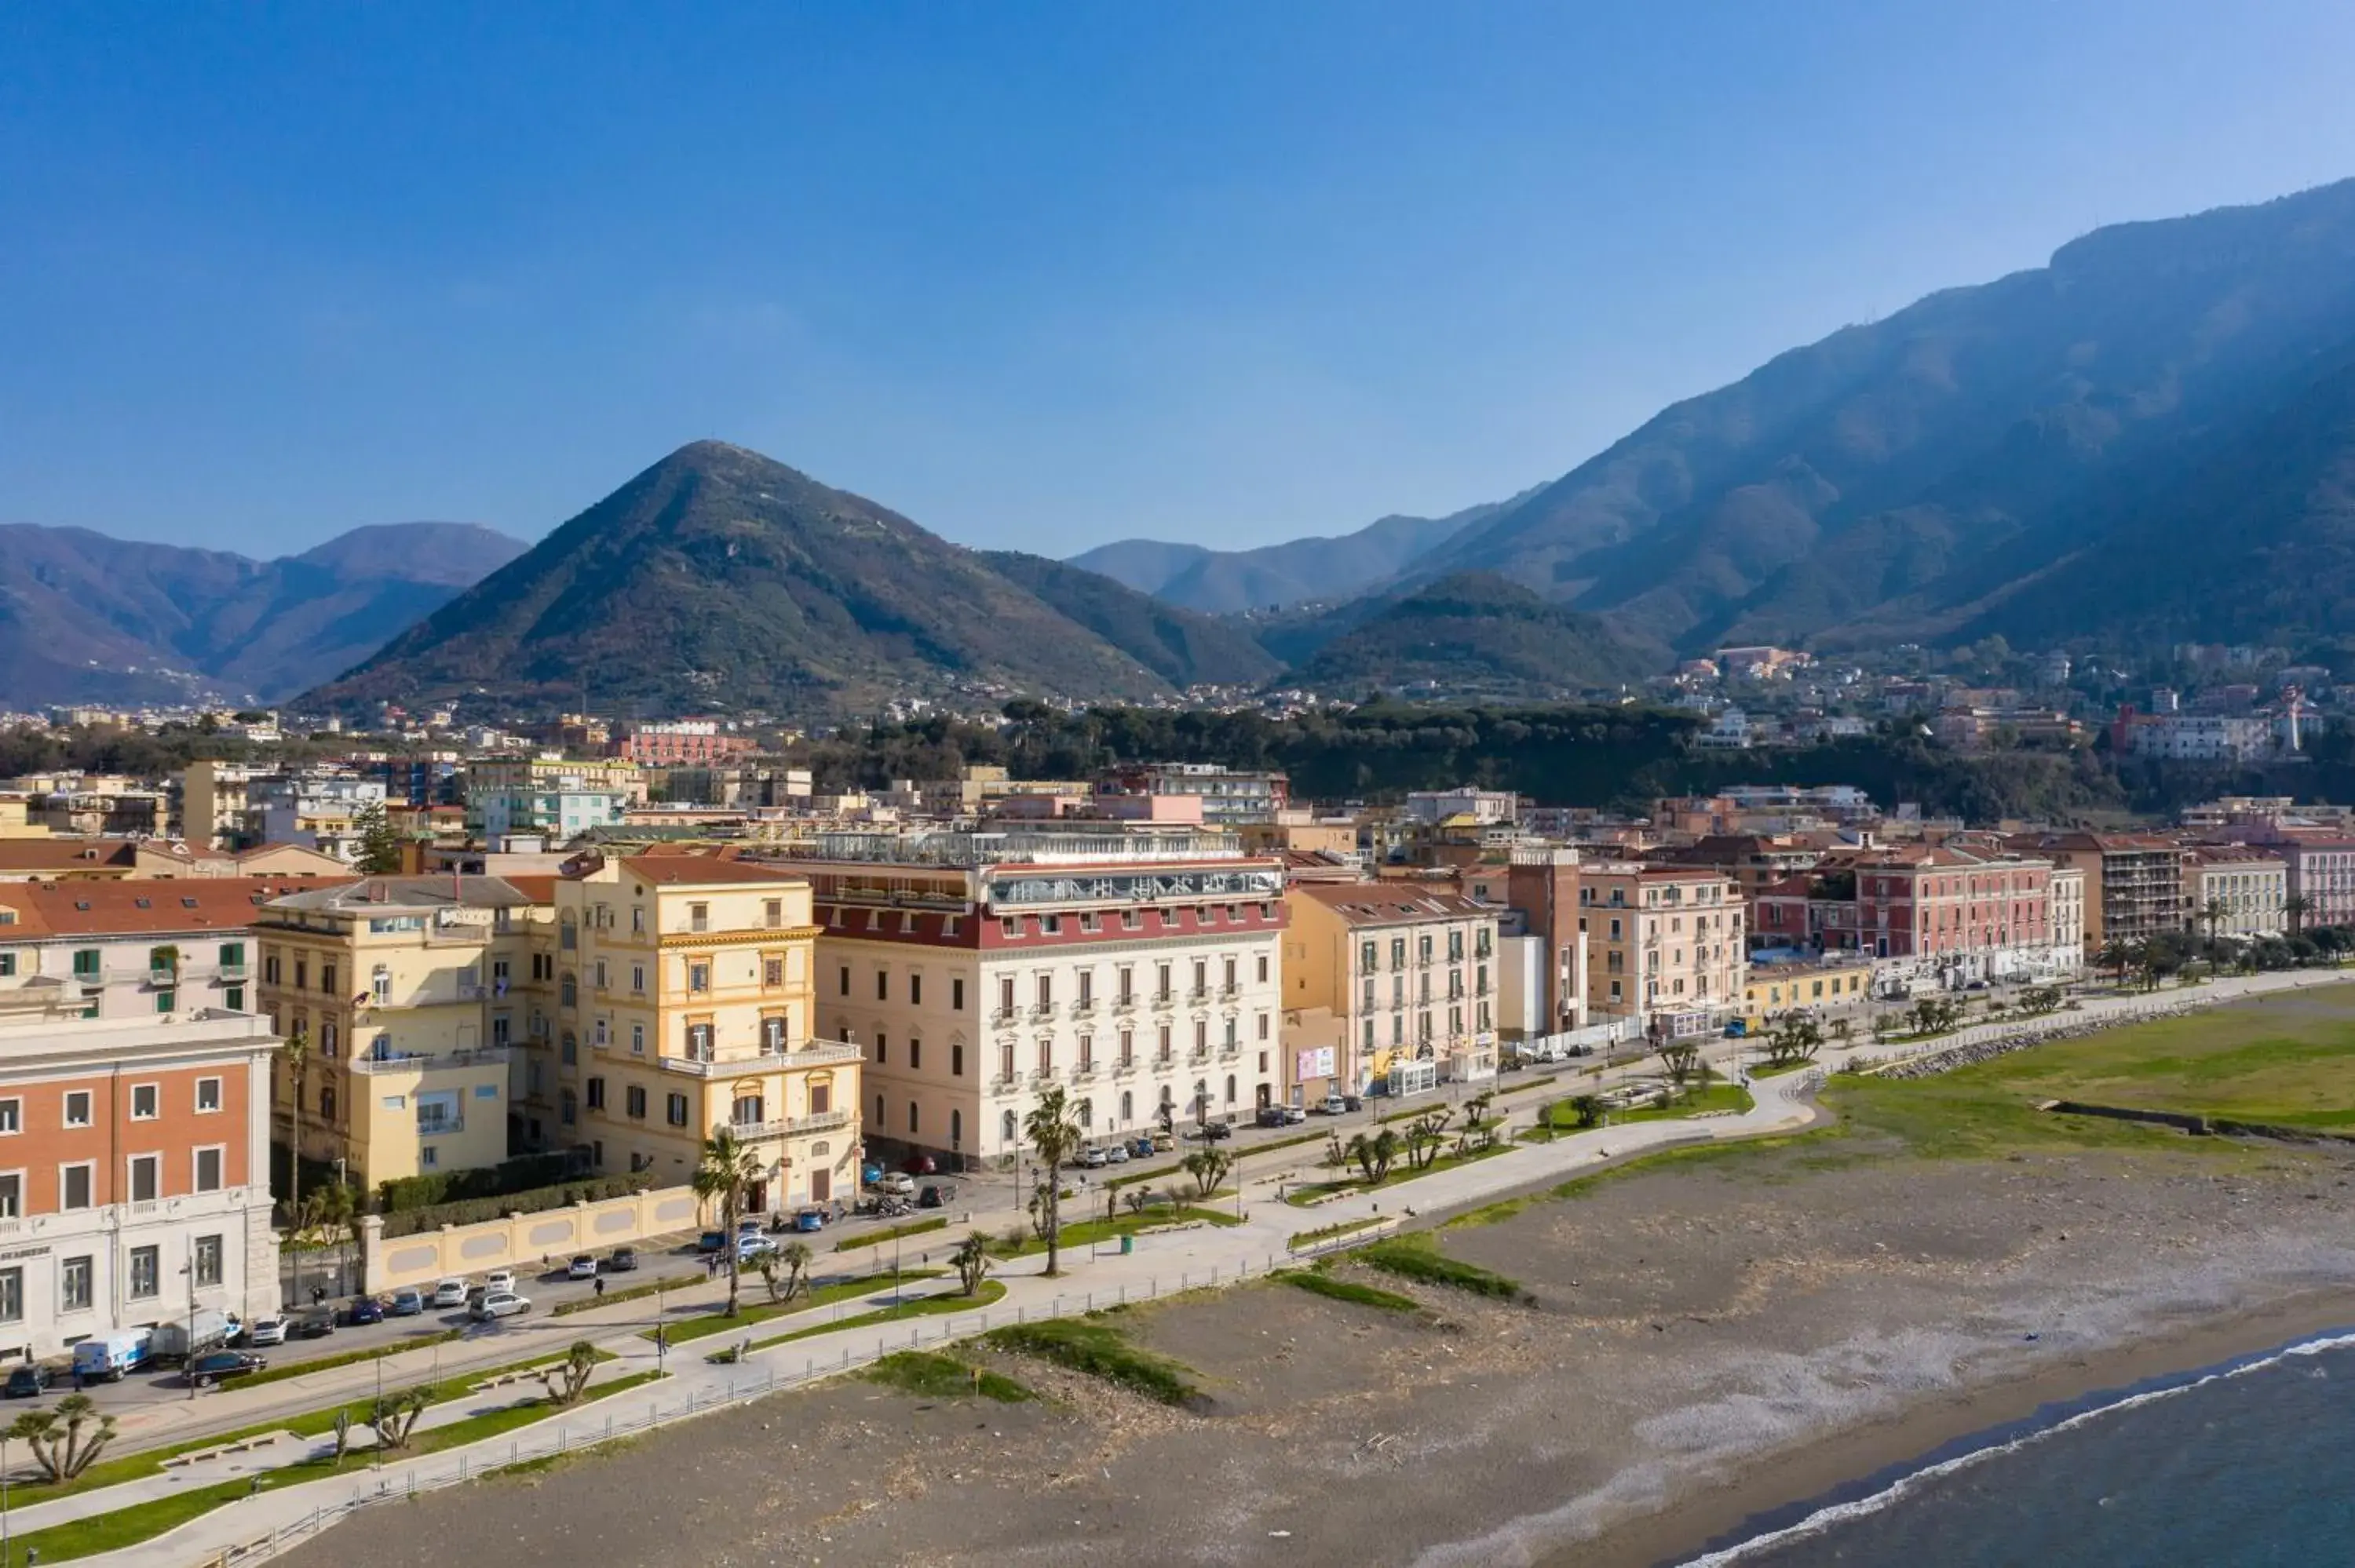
(1327, 1233)
(1302, 1196)
(754, 1309)
(347, 1358)
(1418, 1258)
(1087, 1233)
(894, 1233)
(1094, 1346)
(921, 1306)
(1320, 1283)
(1709, 1099)
(931, 1375)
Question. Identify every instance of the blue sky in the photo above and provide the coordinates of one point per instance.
(1036, 275)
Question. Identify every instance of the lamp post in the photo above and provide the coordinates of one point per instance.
(189, 1269)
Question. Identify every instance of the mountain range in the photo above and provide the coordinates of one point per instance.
(2151, 438)
(86, 618)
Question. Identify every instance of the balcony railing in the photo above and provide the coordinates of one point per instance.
(1199, 994)
(789, 1127)
(1002, 1016)
(1042, 1012)
(442, 1128)
(1230, 992)
(427, 1062)
(811, 1054)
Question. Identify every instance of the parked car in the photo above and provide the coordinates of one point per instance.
(623, 1261)
(1092, 1158)
(1294, 1115)
(937, 1195)
(497, 1303)
(898, 1184)
(871, 1172)
(215, 1365)
(110, 1356)
(751, 1246)
(407, 1301)
(1352, 1103)
(1163, 1143)
(1213, 1131)
(268, 1330)
(449, 1293)
(1141, 1147)
(1116, 1154)
(1270, 1116)
(711, 1241)
(27, 1383)
(317, 1324)
(581, 1267)
(810, 1220)
(920, 1165)
(364, 1310)
(499, 1279)
(1333, 1104)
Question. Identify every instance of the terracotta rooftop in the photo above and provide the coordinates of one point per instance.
(142, 905)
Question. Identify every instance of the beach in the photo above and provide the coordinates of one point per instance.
(1706, 1339)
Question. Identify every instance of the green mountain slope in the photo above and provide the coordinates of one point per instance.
(1181, 646)
(720, 578)
(1475, 634)
(1871, 474)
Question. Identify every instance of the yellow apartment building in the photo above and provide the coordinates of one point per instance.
(402, 986)
(1407, 970)
(683, 996)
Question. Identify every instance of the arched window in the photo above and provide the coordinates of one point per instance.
(879, 1112)
(1087, 1113)
(568, 990)
(1008, 1130)
(1231, 1088)
(911, 1118)
(1200, 1105)
(1127, 1106)
(956, 1128)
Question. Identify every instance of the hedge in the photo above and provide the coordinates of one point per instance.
(525, 1173)
(474, 1211)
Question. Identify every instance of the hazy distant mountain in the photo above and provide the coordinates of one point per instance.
(85, 617)
(721, 578)
(1223, 581)
(1475, 634)
(1181, 646)
(1902, 479)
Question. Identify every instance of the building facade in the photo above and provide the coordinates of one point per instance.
(1665, 944)
(135, 948)
(2235, 892)
(2321, 877)
(1410, 972)
(134, 1176)
(2134, 882)
(1136, 971)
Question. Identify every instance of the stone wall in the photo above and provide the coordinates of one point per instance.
(521, 1242)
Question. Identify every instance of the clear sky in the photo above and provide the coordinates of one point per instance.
(1037, 275)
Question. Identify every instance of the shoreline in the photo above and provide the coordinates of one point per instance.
(1777, 1488)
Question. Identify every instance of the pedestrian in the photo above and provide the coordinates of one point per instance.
(77, 1377)
(601, 1287)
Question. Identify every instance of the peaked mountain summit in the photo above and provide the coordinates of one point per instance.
(721, 578)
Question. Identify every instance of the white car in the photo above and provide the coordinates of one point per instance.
(267, 1330)
(581, 1267)
(497, 1303)
(499, 1279)
(752, 1244)
(900, 1184)
(450, 1293)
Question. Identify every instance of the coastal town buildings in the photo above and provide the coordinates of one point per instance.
(132, 947)
(1136, 970)
(690, 742)
(1666, 945)
(2233, 890)
(136, 1190)
(2134, 882)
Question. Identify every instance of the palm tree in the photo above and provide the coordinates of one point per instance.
(2214, 913)
(2297, 906)
(725, 1171)
(2117, 956)
(297, 1052)
(1055, 1138)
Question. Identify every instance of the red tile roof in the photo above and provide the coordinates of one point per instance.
(132, 907)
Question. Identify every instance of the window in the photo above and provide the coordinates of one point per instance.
(956, 996)
(76, 1108)
(956, 1061)
(11, 1295)
(1263, 968)
(146, 1273)
(772, 911)
(206, 1259)
(1005, 994)
(74, 1285)
(842, 981)
(699, 916)
(302, 974)
(600, 981)
(638, 979)
(234, 999)
(882, 985)
(772, 1036)
(569, 1050)
(270, 969)
(911, 1118)
(74, 1183)
(11, 1195)
(772, 973)
(7, 964)
(699, 1042)
(327, 977)
(637, 1039)
(1046, 990)
(12, 1115)
(145, 1102)
(86, 964)
(567, 1109)
(915, 991)
(915, 1056)
(633, 1102)
(429, 1157)
(698, 977)
(596, 1094)
(675, 1110)
(208, 1170)
(1131, 919)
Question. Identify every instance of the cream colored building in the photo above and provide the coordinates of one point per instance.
(683, 1004)
(1410, 973)
(1664, 943)
(2248, 887)
(401, 985)
(2067, 921)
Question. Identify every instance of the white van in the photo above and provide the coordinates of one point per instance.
(110, 1356)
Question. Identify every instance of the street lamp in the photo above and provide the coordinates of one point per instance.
(189, 1269)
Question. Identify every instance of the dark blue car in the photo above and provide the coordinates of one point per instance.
(364, 1310)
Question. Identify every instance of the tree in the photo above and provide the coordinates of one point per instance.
(1587, 1108)
(971, 1260)
(1374, 1154)
(1207, 1166)
(1841, 1029)
(2297, 906)
(395, 1416)
(66, 1437)
(2212, 914)
(1479, 1127)
(1425, 1135)
(568, 1379)
(1055, 1138)
(296, 1053)
(1139, 1197)
(379, 846)
(724, 1175)
(2118, 958)
(342, 1430)
(1680, 1059)
(784, 1271)
(1793, 1039)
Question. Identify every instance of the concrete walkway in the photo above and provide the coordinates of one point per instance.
(1161, 1264)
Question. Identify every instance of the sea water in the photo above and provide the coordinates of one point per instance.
(2249, 1464)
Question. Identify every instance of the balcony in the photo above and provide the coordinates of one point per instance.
(233, 974)
(423, 1062)
(1123, 1069)
(814, 1054)
(1004, 1017)
(1230, 992)
(443, 1128)
(1198, 996)
(1125, 1004)
(1165, 998)
(790, 1126)
(1042, 1013)
(1083, 1072)
(1083, 1008)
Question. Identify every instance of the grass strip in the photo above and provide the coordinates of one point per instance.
(921, 1306)
(1418, 1258)
(1711, 1099)
(1327, 1233)
(347, 1358)
(894, 1233)
(635, 1293)
(1303, 1196)
(1095, 1348)
(1349, 1291)
(709, 1323)
(930, 1375)
(1087, 1233)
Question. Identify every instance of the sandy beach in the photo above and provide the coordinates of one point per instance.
(1706, 1340)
